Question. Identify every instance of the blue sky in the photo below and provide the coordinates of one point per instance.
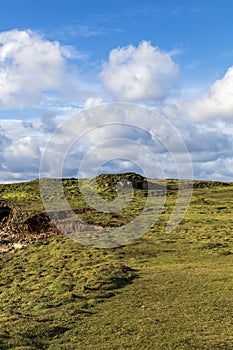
(200, 29)
(58, 57)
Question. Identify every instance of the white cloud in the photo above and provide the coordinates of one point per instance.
(209, 141)
(80, 30)
(29, 65)
(92, 102)
(216, 103)
(49, 123)
(111, 132)
(21, 159)
(70, 52)
(209, 144)
(140, 73)
(220, 169)
(21, 144)
(138, 138)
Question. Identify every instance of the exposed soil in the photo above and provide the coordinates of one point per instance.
(19, 228)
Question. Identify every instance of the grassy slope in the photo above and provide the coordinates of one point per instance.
(164, 291)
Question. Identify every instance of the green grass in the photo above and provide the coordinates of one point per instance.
(164, 291)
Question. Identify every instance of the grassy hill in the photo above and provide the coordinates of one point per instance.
(163, 291)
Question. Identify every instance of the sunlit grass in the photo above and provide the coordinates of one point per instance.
(163, 291)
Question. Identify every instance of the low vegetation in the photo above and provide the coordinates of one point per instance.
(163, 291)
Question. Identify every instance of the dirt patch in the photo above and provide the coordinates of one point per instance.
(19, 228)
(5, 212)
(38, 223)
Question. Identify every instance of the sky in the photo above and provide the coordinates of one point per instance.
(172, 60)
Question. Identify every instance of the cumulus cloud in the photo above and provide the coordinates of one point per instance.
(4, 139)
(92, 102)
(216, 103)
(49, 122)
(29, 65)
(22, 155)
(140, 73)
(220, 169)
(119, 133)
(207, 144)
(20, 152)
(139, 138)
(208, 140)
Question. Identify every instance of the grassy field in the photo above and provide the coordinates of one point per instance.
(163, 291)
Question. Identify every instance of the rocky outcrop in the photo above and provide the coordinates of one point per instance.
(138, 182)
(110, 180)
